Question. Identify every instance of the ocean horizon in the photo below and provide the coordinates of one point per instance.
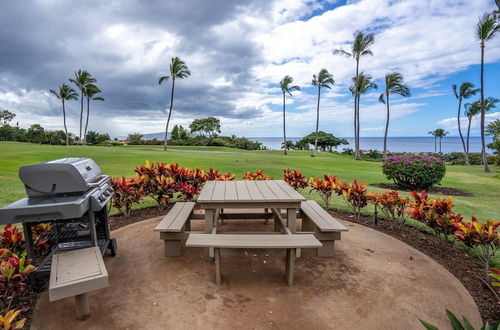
(394, 144)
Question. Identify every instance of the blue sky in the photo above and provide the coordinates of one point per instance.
(238, 51)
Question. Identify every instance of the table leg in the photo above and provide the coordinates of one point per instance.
(291, 215)
(209, 222)
(218, 276)
(290, 262)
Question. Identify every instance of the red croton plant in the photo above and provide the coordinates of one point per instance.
(355, 195)
(127, 192)
(295, 179)
(392, 205)
(258, 175)
(484, 236)
(435, 213)
(325, 188)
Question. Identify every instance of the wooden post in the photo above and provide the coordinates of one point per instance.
(290, 261)
(82, 306)
(218, 276)
(209, 222)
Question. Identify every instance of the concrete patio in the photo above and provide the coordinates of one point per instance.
(374, 281)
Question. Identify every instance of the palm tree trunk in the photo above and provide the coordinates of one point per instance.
(358, 151)
(468, 134)
(165, 143)
(317, 123)
(440, 139)
(81, 118)
(284, 130)
(64, 119)
(356, 109)
(483, 113)
(86, 122)
(435, 144)
(355, 122)
(460, 132)
(386, 124)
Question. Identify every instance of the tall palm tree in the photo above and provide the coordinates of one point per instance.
(434, 133)
(361, 85)
(286, 87)
(178, 69)
(486, 30)
(465, 91)
(359, 47)
(90, 91)
(493, 129)
(65, 93)
(393, 85)
(471, 110)
(82, 79)
(323, 79)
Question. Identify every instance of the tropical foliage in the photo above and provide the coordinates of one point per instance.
(391, 204)
(286, 88)
(458, 325)
(465, 91)
(295, 179)
(65, 93)
(127, 193)
(324, 79)
(258, 175)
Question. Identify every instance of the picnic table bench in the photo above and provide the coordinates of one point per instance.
(173, 226)
(254, 241)
(326, 228)
(75, 273)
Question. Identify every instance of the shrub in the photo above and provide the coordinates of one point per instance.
(457, 325)
(324, 188)
(392, 205)
(158, 183)
(10, 321)
(435, 213)
(483, 235)
(414, 171)
(12, 239)
(258, 175)
(355, 195)
(214, 175)
(295, 179)
(13, 273)
(127, 193)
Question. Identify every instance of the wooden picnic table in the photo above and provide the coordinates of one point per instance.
(267, 194)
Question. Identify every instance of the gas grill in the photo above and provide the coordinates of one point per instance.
(71, 195)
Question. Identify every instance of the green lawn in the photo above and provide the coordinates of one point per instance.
(121, 160)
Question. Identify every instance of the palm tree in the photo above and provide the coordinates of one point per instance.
(286, 87)
(82, 79)
(493, 129)
(393, 85)
(359, 47)
(441, 133)
(178, 69)
(434, 133)
(486, 29)
(65, 93)
(465, 91)
(361, 85)
(90, 91)
(323, 79)
(471, 110)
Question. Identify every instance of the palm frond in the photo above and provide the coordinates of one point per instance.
(162, 79)
(341, 52)
(381, 98)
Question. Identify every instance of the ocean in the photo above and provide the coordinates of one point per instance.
(394, 144)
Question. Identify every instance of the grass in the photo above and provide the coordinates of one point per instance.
(121, 160)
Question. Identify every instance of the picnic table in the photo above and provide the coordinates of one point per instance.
(267, 194)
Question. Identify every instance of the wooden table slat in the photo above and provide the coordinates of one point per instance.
(231, 194)
(242, 191)
(219, 191)
(280, 193)
(266, 192)
(255, 193)
(207, 191)
(292, 192)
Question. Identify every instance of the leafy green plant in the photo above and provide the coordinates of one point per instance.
(10, 321)
(414, 171)
(127, 193)
(457, 325)
(12, 239)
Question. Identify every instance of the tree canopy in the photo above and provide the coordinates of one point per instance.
(208, 127)
(326, 141)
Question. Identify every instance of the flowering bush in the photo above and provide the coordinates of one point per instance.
(258, 175)
(324, 188)
(295, 179)
(127, 192)
(483, 235)
(392, 205)
(354, 194)
(435, 213)
(414, 171)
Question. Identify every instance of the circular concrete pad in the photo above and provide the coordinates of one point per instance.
(373, 282)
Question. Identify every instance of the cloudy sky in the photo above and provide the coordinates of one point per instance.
(237, 52)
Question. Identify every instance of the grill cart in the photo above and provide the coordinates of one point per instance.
(68, 196)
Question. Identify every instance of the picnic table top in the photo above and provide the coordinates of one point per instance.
(264, 191)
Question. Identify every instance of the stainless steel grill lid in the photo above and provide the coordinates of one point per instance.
(61, 176)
